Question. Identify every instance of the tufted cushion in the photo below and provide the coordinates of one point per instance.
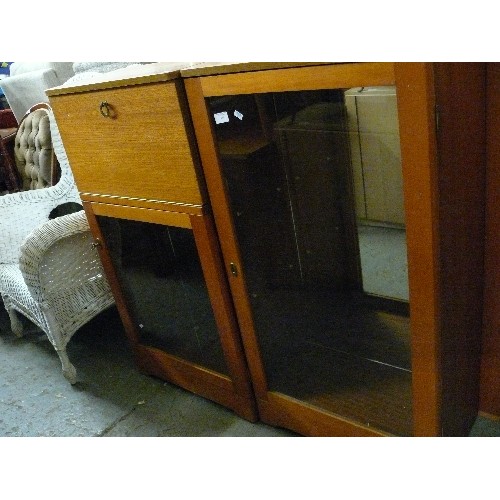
(33, 150)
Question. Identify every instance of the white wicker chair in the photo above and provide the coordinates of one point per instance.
(50, 271)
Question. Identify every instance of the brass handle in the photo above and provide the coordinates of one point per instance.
(105, 109)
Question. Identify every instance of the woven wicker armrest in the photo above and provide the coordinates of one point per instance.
(20, 214)
(58, 257)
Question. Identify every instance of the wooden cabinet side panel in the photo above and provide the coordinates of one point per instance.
(461, 99)
(490, 359)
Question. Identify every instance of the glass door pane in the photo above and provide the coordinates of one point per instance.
(289, 167)
(161, 277)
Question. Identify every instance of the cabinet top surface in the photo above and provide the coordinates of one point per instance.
(137, 74)
(211, 69)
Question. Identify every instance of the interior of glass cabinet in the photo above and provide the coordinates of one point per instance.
(162, 280)
(315, 189)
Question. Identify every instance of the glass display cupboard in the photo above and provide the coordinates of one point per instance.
(348, 203)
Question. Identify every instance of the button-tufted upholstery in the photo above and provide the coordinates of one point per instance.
(33, 151)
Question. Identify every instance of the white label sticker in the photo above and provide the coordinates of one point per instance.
(238, 114)
(222, 117)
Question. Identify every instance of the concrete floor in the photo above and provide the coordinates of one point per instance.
(111, 397)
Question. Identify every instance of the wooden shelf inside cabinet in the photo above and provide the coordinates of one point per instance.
(322, 361)
(241, 148)
(135, 160)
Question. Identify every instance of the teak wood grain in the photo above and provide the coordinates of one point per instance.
(142, 214)
(281, 80)
(143, 150)
(416, 107)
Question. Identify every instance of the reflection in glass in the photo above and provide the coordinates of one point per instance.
(161, 277)
(289, 167)
(373, 126)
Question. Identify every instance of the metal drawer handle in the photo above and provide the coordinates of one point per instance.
(105, 109)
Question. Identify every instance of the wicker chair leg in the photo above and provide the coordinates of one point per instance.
(15, 323)
(69, 371)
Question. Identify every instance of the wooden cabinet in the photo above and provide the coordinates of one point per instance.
(223, 198)
(324, 357)
(134, 158)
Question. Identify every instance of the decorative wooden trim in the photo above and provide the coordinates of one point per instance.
(284, 411)
(142, 214)
(416, 110)
(324, 77)
(157, 205)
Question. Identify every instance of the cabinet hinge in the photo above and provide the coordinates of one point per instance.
(437, 117)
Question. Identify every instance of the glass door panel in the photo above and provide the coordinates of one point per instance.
(162, 280)
(291, 175)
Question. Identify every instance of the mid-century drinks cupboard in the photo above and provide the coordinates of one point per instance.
(131, 148)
